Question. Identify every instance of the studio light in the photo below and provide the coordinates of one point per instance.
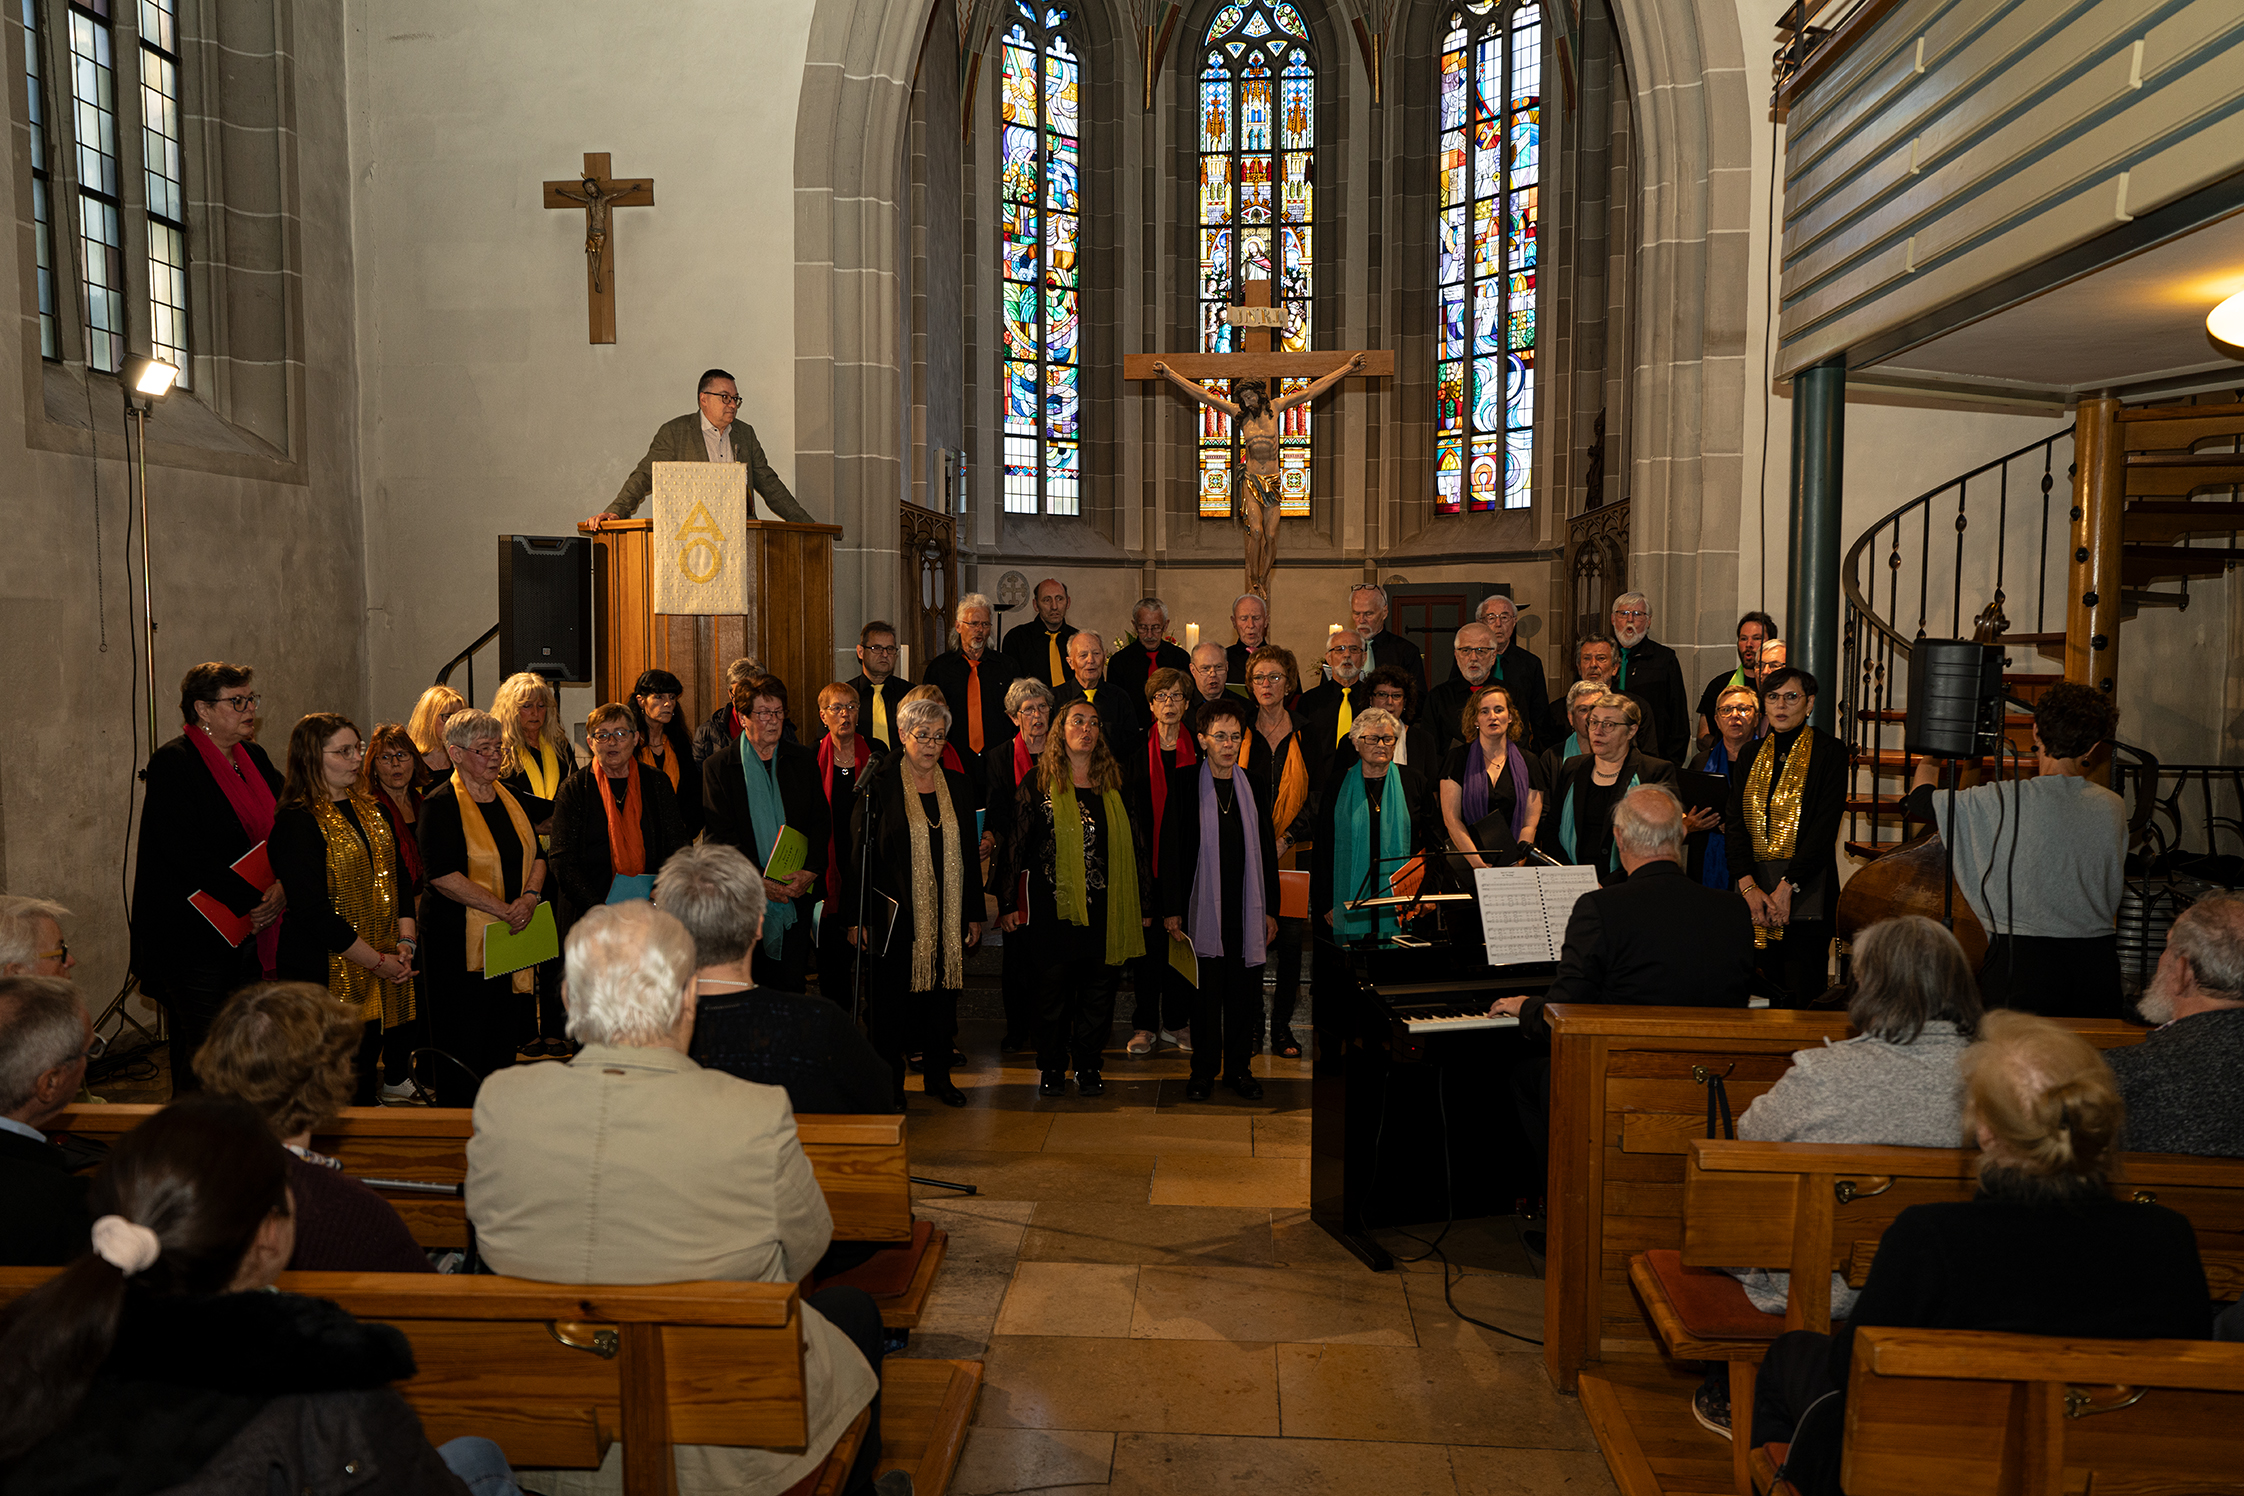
(148, 378)
(2226, 321)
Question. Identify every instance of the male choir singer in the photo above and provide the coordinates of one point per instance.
(713, 434)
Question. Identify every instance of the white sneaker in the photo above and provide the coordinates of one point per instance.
(401, 1094)
(1183, 1036)
(1141, 1043)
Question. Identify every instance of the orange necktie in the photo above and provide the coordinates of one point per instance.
(974, 706)
(1059, 676)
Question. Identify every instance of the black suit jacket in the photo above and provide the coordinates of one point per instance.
(1131, 666)
(45, 1223)
(1655, 939)
(188, 837)
(1814, 866)
(725, 808)
(1652, 674)
(1180, 844)
(948, 673)
(1319, 711)
(892, 692)
(1122, 716)
(1025, 646)
(1390, 648)
(1576, 772)
(582, 865)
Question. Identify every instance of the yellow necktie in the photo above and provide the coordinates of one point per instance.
(1059, 676)
(1091, 694)
(1347, 715)
(880, 719)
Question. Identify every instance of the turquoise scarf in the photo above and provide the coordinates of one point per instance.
(1566, 826)
(1351, 831)
(766, 816)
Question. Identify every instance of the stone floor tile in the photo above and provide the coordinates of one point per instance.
(1280, 1093)
(1514, 1303)
(1001, 1461)
(1091, 1299)
(1193, 1465)
(977, 1127)
(1204, 1179)
(1483, 1471)
(1157, 1132)
(1150, 1386)
(1167, 1235)
(1282, 1135)
(1117, 1178)
(1301, 1242)
(1348, 1305)
(1424, 1396)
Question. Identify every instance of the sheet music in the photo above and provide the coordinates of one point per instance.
(1523, 910)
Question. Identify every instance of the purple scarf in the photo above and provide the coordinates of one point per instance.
(1206, 923)
(1472, 795)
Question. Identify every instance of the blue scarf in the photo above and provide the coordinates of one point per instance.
(1207, 875)
(1351, 830)
(1714, 871)
(1566, 825)
(766, 816)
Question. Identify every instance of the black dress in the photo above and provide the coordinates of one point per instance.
(313, 929)
(1492, 835)
(897, 1017)
(476, 1020)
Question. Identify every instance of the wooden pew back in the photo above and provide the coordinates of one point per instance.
(1627, 1099)
(1973, 1413)
(861, 1162)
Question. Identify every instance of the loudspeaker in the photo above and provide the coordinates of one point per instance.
(545, 606)
(1955, 699)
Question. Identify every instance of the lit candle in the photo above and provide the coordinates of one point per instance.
(1192, 636)
(904, 661)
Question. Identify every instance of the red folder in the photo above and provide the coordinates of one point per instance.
(1293, 893)
(256, 870)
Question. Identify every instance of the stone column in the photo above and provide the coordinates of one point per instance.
(1811, 601)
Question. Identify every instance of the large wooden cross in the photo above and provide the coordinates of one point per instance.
(1257, 320)
(595, 193)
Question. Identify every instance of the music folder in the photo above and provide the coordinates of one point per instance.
(1703, 791)
(1524, 910)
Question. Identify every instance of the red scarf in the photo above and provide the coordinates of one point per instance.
(627, 840)
(1157, 773)
(863, 749)
(252, 798)
(401, 830)
(1020, 759)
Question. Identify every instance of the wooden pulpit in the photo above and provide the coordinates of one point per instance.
(789, 628)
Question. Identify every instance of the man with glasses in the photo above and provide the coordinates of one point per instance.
(972, 677)
(880, 690)
(712, 434)
(1787, 794)
(1367, 611)
(1329, 710)
(1754, 631)
(210, 798)
(31, 943)
(1517, 667)
(1475, 651)
(46, 1038)
(1135, 662)
(1122, 716)
(1648, 670)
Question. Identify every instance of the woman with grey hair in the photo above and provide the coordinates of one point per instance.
(729, 721)
(920, 887)
(484, 869)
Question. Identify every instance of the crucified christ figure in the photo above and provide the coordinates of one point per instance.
(1255, 499)
(596, 199)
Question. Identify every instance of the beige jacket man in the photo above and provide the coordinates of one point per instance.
(635, 1165)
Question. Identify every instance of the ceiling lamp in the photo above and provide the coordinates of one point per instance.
(2226, 321)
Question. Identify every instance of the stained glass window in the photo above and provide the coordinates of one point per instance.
(1490, 165)
(1040, 145)
(164, 170)
(93, 101)
(42, 220)
(1258, 126)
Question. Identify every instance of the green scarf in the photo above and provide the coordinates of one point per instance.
(1566, 825)
(1124, 937)
(1351, 834)
(766, 816)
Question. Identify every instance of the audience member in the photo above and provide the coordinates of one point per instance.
(664, 743)
(2052, 915)
(972, 677)
(1754, 630)
(1277, 756)
(845, 759)
(1589, 786)
(1028, 702)
(46, 1037)
(1367, 610)
(752, 795)
(159, 1359)
(2184, 1083)
(1648, 669)
(426, 728)
(615, 818)
(1329, 709)
(923, 908)
(1787, 795)
(286, 1049)
(209, 799)
(728, 722)
(633, 1164)
(484, 869)
(537, 754)
(1491, 792)
(1218, 874)
(1474, 653)
(1211, 669)
(1038, 648)
(1135, 663)
(31, 943)
(880, 689)
(352, 929)
(1517, 666)
(1121, 712)
(2044, 1248)
(1163, 997)
(1074, 880)
(1737, 710)
(1250, 626)
(808, 1046)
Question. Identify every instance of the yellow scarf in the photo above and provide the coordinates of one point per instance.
(545, 774)
(1775, 823)
(486, 872)
(935, 932)
(1292, 791)
(362, 885)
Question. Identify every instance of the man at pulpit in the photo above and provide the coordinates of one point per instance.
(712, 434)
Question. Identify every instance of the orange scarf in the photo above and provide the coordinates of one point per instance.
(1292, 791)
(668, 764)
(627, 843)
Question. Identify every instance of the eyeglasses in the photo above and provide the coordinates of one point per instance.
(614, 735)
(1267, 678)
(1601, 724)
(1475, 651)
(878, 649)
(487, 748)
(925, 739)
(1161, 696)
(1789, 698)
(769, 714)
(1388, 699)
(1225, 738)
(239, 703)
(1379, 740)
(1630, 613)
(349, 750)
(1736, 709)
(720, 396)
(59, 953)
(839, 708)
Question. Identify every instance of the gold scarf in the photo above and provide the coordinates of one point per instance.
(933, 928)
(1292, 790)
(1775, 823)
(362, 885)
(544, 774)
(486, 872)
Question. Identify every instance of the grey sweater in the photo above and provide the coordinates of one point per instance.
(2066, 880)
(2184, 1086)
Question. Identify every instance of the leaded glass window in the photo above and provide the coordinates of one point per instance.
(1491, 97)
(1258, 126)
(42, 214)
(93, 100)
(1039, 90)
(167, 190)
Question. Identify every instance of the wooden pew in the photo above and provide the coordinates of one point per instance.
(1627, 1099)
(1972, 1413)
(861, 1162)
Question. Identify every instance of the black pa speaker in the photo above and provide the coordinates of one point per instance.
(545, 606)
(1955, 699)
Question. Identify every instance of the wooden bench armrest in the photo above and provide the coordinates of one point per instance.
(1985, 1355)
(450, 1296)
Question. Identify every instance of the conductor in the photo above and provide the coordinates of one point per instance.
(712, 434)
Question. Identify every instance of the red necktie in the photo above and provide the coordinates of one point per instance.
(974, 705)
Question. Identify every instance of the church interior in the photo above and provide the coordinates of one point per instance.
(1888, 318)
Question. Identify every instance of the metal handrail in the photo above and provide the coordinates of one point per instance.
(467, 657)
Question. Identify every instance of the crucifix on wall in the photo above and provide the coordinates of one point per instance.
(1255, 497)
(597, 194)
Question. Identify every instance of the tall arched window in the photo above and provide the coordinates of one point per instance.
(1038, 92)
(1258, 124)
(1491, 96)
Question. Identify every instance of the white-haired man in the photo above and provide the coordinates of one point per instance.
(972, 677)
(31, 943)
(1648, 670)
(2184, 1084)
(1474, 649)
(632, 1164)
(1250, 621)
(1517, 666)
(1122, 714)
(1367, 612)
(45, 1039)
(1133, 664)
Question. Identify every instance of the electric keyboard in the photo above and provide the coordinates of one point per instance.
(1440, 1018)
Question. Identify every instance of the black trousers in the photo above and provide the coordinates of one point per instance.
(399, 1043)
(790, 971)
(900, 1021)
(1285, 959)
(1073, 989)
(476, 1020)
(1795, 1375)
(1164, 997)
(1226, 1018)
(853, 1312)
(1018, 982)
(837, 960)
(1799, 965)
(2054, 977)
(191, 998)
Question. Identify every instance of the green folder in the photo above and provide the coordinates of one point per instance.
(1185, 959)
(505, 951)
(790, 849)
